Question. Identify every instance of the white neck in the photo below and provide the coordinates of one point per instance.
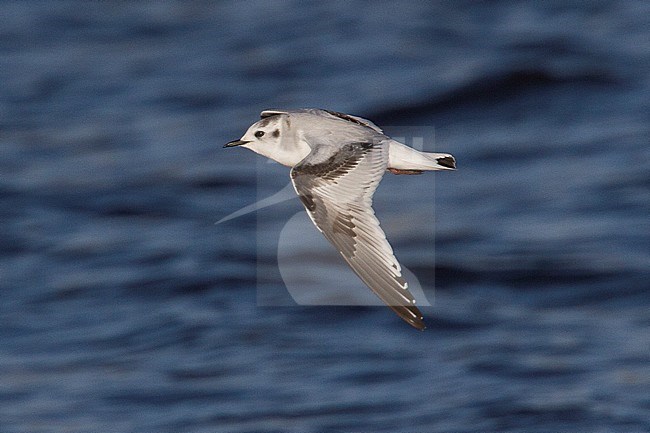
(289, 152)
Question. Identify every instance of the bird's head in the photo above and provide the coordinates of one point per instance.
(263, 137)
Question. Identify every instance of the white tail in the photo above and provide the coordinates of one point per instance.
(402, 157)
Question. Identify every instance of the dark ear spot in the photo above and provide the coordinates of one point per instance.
(276, 133)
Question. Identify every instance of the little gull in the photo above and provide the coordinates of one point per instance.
(337, 161)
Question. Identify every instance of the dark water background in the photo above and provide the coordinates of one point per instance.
(125, 309)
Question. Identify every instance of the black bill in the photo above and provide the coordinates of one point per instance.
(235, 143)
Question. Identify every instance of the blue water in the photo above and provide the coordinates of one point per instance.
(124, 308)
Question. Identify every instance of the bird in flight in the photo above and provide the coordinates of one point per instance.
(337, 160)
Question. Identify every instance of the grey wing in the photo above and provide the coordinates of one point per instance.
(268, 113)
(355, 119)
(336, 187)
(317, 111)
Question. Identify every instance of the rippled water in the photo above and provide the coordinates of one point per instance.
(125, 308)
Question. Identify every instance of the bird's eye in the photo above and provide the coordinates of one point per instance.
(259, 134)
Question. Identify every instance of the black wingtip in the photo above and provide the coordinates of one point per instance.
(419, 325)
(410, 315)
(447, 162)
